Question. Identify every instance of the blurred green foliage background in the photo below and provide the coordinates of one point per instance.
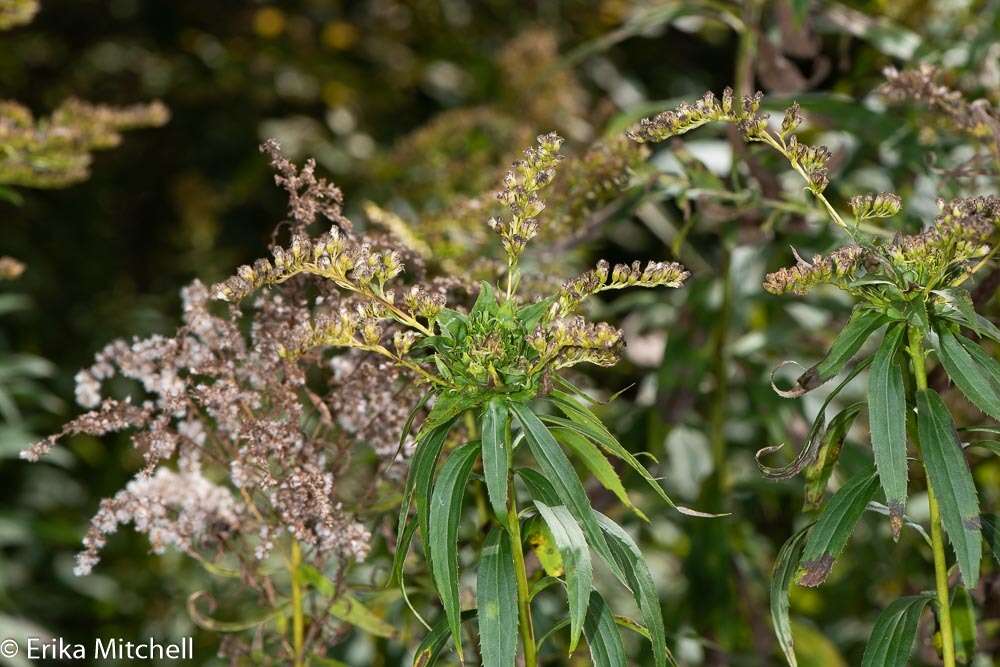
(412, 105)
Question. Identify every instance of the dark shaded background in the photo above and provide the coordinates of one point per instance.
(346, 81)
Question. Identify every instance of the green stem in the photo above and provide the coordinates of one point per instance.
(916, 351)
(778, 146)
(511, 268)
(721, 372)
(298, 619)
(525, 627)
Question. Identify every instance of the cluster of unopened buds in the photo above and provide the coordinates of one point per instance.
(422, 303)
(332, 256)
(574, 332)
(603, 277)
(812, 160)
(822, 270)
(881, 205)
(686, 117)
(342, 328)
(962, 231)
(520, 194)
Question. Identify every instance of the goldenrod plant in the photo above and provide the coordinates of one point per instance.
(913, 289)
(484, 372)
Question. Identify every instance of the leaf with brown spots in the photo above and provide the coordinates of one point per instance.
(829, 536)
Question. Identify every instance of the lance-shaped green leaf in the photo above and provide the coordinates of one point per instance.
(951, 481)
(539, 487)
(963, 621)
(991, 533)
(785, 567)
(973, 379)
(447, 406)
(585, 423)
(965, 313)
(807, 455)
(559, 472)
(532, 314)
(446, 510)
(862, 324)
(895, 629)
(418, 489)
(887, 423)
(837, 521)
(640, 580)
(593, 428)
(575, 555)
(990, 366)
(496, 458)
(597, 464)
(817, 474)
(486, 301)
(429, 650)
(496, 601)
(880, 508)
(606, 648)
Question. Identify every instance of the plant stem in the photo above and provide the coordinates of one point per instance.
(525, 627)
(298, 621)
(511, 268)
(720, 401)
(916, 351)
